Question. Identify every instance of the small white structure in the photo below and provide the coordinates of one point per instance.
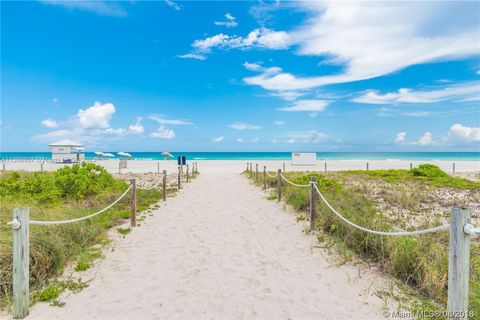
(304, 158)
(67, 151)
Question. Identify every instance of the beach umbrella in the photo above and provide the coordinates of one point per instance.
(167, 155)
(108, 155)
(100, 154)
(125, 154)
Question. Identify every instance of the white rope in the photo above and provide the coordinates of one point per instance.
(400, 233)
(149, 187)
(271, 176)
(293, 183)
(82, 218)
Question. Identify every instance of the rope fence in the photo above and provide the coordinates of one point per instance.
(21, 222)
(459, 243)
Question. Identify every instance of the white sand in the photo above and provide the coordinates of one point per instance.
(220, 250)
(235, 166)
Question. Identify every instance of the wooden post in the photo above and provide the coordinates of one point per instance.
(453, 167)
(164, 185)
(279, 185)
(367, 166)
(458, 265)
(284, 167)
(187, 171)
(325, 167)
(21, 257)
(158, 167)
(41, 166)
(256, 172)
(3, 166)
(251, 170)
(179, 175)
(119, 168)
(133, 218)
(313, 211)
(264, 177)
(247, 166)
(411, 166)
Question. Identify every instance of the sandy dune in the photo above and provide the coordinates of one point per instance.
(220, 250)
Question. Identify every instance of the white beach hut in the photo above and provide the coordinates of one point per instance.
(65, 151)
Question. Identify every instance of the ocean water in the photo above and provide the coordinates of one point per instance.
(457, 156)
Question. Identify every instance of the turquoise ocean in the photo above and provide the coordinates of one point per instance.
(457, 156)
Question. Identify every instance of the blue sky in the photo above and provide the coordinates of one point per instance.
(241, 76)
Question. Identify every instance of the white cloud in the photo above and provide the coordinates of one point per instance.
(50, 123)
(306, 105)
(116, 132)
(311, 137)
(279, 123)
(173, 4)
(195, 56)
(373, 40)
(240, 140)
(230, 23)
(255, 139)
(243, 126)
(136, 128)
(426, 139)
(464, 91)
(161, 120)
(288, 95)
(163, 133)
(260, 38)
(463, 134)
(274, 141)
(106, 8)
(55, 100)
(400, 137)
(252, 66)
(96, 116)
(218, 139)
(292, 140)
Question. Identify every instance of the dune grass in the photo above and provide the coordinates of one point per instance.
(69, 192)
(421, 262)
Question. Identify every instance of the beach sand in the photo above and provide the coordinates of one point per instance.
(236, 166)
(221, 250)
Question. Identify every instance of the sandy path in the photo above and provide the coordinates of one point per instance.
(220, 252)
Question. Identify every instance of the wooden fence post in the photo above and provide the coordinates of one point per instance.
(264, 177)
(158, 167)
(458, 265)
(41, 166)
(164, 185)
(284, 167)
(256, 172)
(251, 170)
(325, 166)
(188, 168)
(3, 166)
(279, 185)
(247, 166)
(179, 176)
(133, 218)
(411, 166)
(21, 257)
(367, 166)
(453, 167)
(313, 211)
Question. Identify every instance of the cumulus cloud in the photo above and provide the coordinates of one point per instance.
(243, 126)
(252, 66)
(136, 128)
(255, 139)
(163, 133)
(465, 91)
(307, 105)
(457, 135)
(96, 116)
(279, 122)
(218, 139)
(311, 137)
(50, 123)
(161, 120)
(229, 23)
(373, 40)
(260, 38)
(240, 140)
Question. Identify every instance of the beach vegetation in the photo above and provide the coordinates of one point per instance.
(420, 262)
(70, 192)
(124, 231)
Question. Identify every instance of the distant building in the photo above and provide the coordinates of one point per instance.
(67, 151)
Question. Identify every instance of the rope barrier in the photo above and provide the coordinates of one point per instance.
(293, 183)
(271, 176)
(82, 218)
(400, 233)
(154, 186)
